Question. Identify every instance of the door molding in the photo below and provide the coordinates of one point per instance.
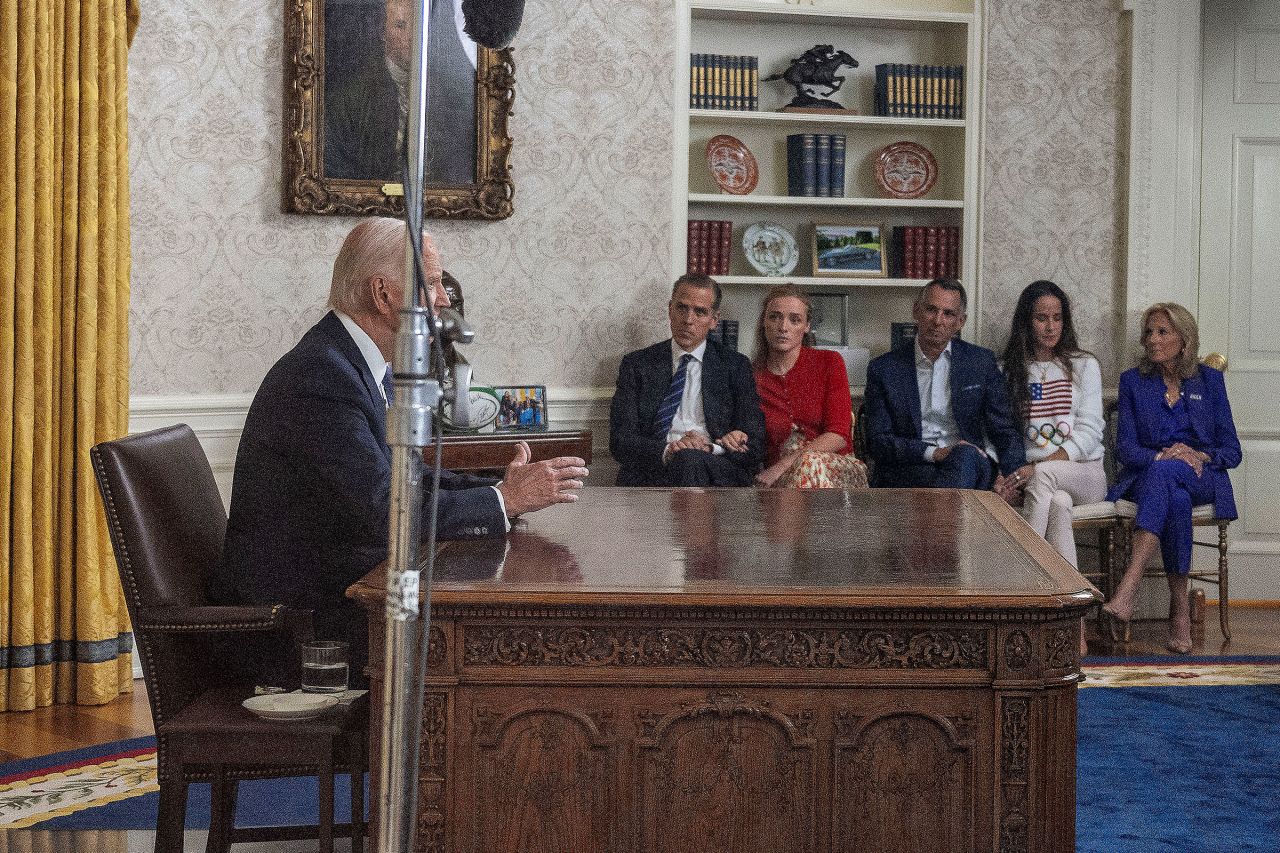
(1164, 160)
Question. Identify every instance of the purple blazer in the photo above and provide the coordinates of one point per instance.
(1142, 430)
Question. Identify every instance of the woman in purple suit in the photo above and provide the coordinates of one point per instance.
(1176, 441)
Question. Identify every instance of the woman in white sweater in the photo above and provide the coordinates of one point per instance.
(1056, 390)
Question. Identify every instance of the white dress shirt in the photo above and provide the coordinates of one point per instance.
(690, 417)
(372, 355)
(937, 425)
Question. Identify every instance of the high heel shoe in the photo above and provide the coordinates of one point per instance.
(1178, 647)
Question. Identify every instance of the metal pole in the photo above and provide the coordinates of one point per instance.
(409, 422)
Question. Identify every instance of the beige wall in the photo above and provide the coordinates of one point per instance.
(1055, 163)
(224, 283)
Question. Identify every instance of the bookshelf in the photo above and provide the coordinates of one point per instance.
(920, 32)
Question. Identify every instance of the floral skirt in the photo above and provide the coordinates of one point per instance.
(822, 470)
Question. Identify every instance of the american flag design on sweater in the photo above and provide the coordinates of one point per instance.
(1050, 400)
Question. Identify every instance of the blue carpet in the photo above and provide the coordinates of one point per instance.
(1178, 770)
(266, 802)
(1160, 770)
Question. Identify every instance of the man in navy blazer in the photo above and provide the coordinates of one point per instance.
(932, 406)
(698, 424)
(311, 493)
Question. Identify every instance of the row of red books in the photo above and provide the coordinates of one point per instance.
(927, 251)
(708, 246)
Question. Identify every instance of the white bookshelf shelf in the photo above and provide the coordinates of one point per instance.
(834, 282)
(720, 117)
(818, 201)
(912, 32)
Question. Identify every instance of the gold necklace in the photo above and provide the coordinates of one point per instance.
(1171, 395)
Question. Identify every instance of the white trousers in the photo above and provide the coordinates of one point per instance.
(1051, 492)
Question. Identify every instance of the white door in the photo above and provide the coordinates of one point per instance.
(1239, 296)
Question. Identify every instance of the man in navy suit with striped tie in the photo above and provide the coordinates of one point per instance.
(685, 412)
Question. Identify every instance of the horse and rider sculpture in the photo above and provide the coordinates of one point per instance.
(815, 78)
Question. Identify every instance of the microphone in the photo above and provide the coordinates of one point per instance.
(454, 329)
(492, 23)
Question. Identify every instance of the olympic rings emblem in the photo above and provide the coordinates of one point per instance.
(1047, 433)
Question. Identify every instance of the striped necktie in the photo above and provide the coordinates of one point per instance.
(671, 402)
(388, 388)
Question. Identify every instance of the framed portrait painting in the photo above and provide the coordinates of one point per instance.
(346, 94)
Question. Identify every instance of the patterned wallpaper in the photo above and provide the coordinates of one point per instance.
(224, 283)
(1056, 145)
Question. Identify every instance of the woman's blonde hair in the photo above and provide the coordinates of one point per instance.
(1185, 325)
(778, 291)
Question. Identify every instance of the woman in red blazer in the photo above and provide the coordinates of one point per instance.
(804, 393)
(1176, 441)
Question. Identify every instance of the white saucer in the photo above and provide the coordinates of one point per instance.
(290, 706)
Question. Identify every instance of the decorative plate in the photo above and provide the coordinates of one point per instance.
(290, 706)
(732, 164)
(482, 410)
(905, 170)
(770, 248)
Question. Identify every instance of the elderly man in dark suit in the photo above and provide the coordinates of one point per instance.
(934, 404)
(685, 412)
(311, 493)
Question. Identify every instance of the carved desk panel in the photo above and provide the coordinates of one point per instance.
(766, 670)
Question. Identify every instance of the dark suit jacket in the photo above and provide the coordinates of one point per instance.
(311, 494)
(729, 402)
(1142, 431)
(979, 403)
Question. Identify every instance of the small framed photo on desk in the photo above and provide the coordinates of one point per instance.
(521, 408)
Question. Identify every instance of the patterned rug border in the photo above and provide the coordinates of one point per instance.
(1184, 660)
(27, 788)
(43, 772)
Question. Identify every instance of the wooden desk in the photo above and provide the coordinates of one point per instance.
(490, 451)
(658, 671)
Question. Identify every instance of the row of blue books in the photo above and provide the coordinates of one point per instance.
(919, 91)
(718, 82)
(726, 333)
(815, 164)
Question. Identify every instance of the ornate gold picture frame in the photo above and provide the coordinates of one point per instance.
(353, 191)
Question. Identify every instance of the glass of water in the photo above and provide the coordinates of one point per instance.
(324, 666)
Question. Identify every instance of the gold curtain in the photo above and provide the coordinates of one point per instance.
(64, 357)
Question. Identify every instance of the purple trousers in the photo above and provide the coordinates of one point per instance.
(1165, 493)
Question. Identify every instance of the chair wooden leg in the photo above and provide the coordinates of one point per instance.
(1224, 591)
(172, 817)
(222, 813)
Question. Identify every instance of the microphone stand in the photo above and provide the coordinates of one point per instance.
(409, 429)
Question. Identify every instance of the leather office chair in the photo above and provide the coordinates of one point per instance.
(167, 525)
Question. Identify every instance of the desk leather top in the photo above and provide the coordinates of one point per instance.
(761, 547)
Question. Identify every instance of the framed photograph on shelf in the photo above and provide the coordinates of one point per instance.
(850, 250)
(828, 319)
(521, 408)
